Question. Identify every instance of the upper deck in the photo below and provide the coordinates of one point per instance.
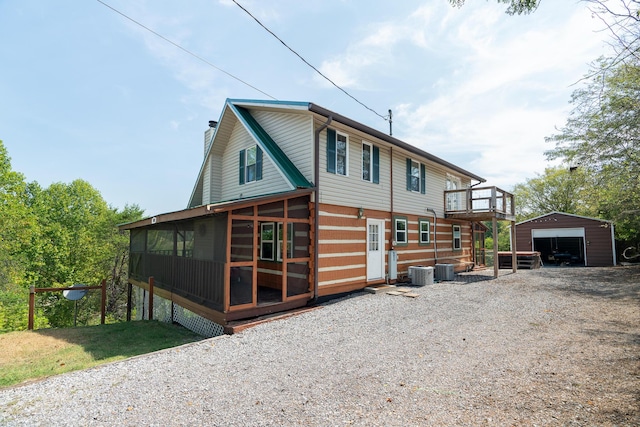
(479, 204)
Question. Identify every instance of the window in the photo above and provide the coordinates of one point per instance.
(266, 240)
(457, 238)
(453, 199)
(370, 163)
(424, 228)
(400, 230)
(337, 153)
(342, 154)
(289, 241)
(416, 176)
(250, 165)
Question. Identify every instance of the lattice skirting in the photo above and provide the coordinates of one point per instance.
(166, 311)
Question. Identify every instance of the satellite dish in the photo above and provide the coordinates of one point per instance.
(73, 294)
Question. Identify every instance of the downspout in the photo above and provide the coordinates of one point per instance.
(435, 232)
(316, 213)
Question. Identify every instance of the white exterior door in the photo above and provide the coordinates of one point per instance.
(375, 249)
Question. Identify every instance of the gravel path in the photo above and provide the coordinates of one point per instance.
(556, 346)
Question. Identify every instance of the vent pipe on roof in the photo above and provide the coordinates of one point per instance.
(208, 135)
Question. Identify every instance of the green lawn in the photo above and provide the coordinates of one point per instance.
(28, 355)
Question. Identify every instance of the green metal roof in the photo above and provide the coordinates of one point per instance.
(268, 145)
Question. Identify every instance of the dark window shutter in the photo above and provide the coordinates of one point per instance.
(258, 163)
(376, 165)
(409, 174)
(241, 170)
(423, 179)
(331, 151)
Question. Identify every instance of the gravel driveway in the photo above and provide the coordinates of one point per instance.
(555, 346)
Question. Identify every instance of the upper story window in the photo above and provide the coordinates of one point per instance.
(337, 153)
(250, 165)
(416, 180)
(370, 163)
(453, 199)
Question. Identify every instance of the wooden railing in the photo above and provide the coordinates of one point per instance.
(479, 201)
(197, 280)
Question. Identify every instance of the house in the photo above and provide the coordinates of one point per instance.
(566, 239)
(294, 202)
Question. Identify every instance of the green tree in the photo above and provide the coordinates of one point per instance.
(78, 242)
(516, 7)
(17, 226)
(504, 236)
(602, 135)
(559, 189)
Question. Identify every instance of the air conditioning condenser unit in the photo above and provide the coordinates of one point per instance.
(421, 276)
(445, 272)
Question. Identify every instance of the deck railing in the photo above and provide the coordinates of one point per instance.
(482, 200)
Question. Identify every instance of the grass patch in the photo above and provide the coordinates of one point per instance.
(28, 355)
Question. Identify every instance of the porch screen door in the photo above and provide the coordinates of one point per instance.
(375, 249)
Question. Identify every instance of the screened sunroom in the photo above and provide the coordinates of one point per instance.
(227, 261)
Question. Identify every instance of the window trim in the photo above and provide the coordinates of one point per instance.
(397, 219)
(459, 238)
(422, 176)
(254, 164)
(370, 145)
(420, 232)
(346, 154)
(244, 165)
(412, 176)
(276, 241)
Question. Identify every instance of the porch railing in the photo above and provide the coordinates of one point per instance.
(201, 281)
(483, 200)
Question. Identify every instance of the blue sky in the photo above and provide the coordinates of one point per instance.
(85, 93)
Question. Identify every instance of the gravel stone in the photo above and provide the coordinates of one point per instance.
(554, 346)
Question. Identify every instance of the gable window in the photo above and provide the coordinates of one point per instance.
(400, 230)
(424, 228)
(457, 238)
(266, 240)
(416, 180)
(337, 153)
(250, 165)
(370, 163)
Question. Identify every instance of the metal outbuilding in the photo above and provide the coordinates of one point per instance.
(567, 239)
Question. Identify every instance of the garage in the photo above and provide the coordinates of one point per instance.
(568, 240)
(560, 246)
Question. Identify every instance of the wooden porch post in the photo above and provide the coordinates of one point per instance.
(495, 246)
(151, 283)
(103, 302)
(514, 255)
(32, 306)
(129, 300)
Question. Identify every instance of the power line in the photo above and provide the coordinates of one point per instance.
(306, 62)
(184, 49)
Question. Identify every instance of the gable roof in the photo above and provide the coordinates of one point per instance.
(283, 164)
(268, 145)
(564, 214)
(239, 109)
(335, 117)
